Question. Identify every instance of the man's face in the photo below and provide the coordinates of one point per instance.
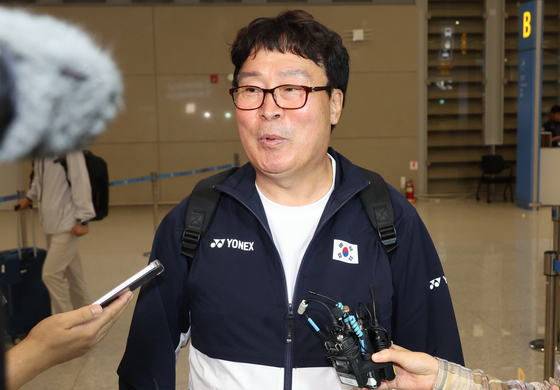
(279, 142)
(555, 116)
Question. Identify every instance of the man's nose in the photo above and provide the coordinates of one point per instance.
(270, 109)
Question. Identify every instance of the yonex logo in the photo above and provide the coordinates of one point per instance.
(218, 242)
(233, 243)
(434, 283)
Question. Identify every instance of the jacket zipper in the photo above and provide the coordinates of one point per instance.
(289, 337)
(290, 316)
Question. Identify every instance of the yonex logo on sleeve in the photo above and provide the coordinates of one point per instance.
(435, 283)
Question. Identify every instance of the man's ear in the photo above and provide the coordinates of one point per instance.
(336, 105)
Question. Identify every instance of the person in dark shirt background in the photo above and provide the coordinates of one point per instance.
(553, 125)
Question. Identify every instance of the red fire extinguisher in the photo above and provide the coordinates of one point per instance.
(410, 192)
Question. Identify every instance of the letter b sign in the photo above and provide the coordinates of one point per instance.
(526, 24)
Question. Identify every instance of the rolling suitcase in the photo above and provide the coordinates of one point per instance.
(26, 296)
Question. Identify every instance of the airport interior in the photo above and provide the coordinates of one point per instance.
(433, 88)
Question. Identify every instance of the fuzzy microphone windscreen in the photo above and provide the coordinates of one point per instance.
(63, 88)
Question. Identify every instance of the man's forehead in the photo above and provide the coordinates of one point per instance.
(281, 72)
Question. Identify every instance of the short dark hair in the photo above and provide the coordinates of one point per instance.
(296, 32)
(555, 109)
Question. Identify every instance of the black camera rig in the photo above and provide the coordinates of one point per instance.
(351, 341)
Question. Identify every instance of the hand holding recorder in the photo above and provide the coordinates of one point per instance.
(60, 338)
(414, 370)
(66, 336)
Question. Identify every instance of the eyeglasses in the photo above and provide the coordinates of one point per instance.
(288, 96)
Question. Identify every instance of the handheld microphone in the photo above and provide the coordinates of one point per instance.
(58, 89)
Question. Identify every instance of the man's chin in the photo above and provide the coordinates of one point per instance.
(272, 170)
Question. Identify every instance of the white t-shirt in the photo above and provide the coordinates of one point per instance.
(292, 229)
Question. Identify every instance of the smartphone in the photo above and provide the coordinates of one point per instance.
(132, 283)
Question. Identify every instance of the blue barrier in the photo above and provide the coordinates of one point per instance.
(8, 198)
(145, 178)
(129, 181)
(194, 172)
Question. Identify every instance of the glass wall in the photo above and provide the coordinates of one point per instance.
(456, 89)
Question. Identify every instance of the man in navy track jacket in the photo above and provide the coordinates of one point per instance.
(289, 221)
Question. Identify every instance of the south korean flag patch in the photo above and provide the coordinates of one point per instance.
(345, 252)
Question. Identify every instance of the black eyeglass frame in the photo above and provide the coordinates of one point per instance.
(308, 90)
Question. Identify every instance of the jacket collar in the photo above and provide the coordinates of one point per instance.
(348, 182)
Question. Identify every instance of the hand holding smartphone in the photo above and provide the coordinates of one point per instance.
(150, 271)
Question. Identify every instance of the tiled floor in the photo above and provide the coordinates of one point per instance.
(492, 255)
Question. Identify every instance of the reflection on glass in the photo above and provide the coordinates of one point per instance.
(455, 74)
(227, 115)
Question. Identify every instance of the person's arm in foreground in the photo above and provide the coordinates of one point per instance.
(420, 371)
(60, 338)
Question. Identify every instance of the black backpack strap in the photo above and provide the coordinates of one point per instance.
(62, 161)
(200, 211)
(379, 209)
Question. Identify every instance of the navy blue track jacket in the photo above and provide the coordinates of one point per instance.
(234, 299)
